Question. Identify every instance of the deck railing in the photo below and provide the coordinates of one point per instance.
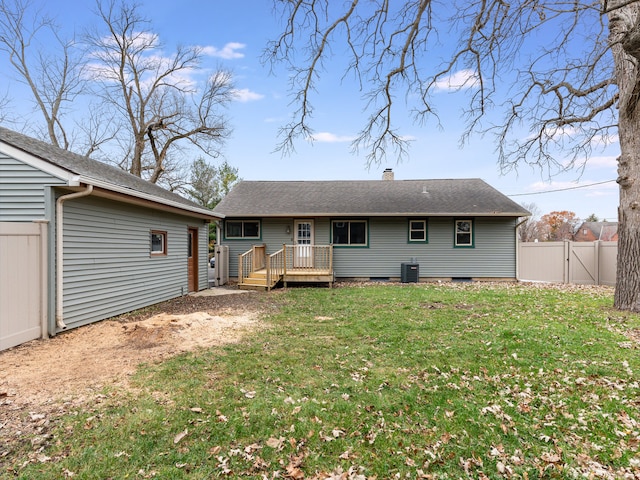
(251, 261)
(275, 267)
(291, 259)
(310, 258)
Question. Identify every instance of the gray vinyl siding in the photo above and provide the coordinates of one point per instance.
(493, 254)
(108, 269)
(22, 191)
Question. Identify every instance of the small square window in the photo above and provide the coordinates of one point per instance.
(158, 242)
(418, 231)
(464, 233)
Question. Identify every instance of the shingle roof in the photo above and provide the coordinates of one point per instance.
(93, 169)
(367, 198)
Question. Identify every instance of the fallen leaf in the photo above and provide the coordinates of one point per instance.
(551, 457)
(180, 436)
(276, 443)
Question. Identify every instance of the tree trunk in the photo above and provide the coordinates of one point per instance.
(623, 27)
(138, 151)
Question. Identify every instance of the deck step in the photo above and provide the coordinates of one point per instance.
(256, 281)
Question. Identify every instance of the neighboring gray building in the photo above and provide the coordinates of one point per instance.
(453, 229)
(115, 242)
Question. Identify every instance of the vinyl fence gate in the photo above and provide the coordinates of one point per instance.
(23, 282)
(584, 263)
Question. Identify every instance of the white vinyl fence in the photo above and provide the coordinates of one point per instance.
(23, 282)
(222, 266)
(585, 263)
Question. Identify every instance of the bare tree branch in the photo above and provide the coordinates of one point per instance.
(55, 80)
(154, 94)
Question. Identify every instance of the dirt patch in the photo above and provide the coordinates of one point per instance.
(42, 379)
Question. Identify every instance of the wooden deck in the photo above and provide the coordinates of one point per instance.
(291, 264)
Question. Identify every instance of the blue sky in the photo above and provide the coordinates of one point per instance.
(234, 34)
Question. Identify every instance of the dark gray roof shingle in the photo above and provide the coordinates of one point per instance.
(367, 198)
(87, 167)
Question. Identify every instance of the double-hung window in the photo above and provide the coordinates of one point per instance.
(242, 229)
(464, 233)
(349, 232)
(417, 231)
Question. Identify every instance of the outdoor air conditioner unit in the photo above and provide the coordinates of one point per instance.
(409, 272)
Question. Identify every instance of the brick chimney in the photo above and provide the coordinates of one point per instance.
(387, 174)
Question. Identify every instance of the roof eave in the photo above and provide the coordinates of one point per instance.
(148, 199)
(72, 179)
(377, 214)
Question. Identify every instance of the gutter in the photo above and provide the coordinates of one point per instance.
(60, 251)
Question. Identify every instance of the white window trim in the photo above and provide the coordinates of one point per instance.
(424, 238)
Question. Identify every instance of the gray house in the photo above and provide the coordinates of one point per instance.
(388, 229)
(81, 241)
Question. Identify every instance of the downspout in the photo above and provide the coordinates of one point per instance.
(60, 252)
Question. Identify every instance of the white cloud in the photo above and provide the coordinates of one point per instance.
(327, 137)
(458, 80)
(246, 95)
(228, 52)
(602, 162)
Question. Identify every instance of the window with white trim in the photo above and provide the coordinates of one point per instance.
(417, 231)
(349, 232)
(242, 228)
(158, 242)
(464, 233)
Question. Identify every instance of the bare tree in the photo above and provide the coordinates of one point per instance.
(528, 230)
(52, 74)
(565, 71)
(155, 96)
(4, 108)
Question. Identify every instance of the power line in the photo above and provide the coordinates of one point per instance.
(561, 189)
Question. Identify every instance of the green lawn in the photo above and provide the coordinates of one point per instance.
(383, 381)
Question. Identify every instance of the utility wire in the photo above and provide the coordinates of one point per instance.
(560, 189)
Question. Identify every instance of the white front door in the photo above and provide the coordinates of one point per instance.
(303, 243)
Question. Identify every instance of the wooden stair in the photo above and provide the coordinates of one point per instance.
(258, 281)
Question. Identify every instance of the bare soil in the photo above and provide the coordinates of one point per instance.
(43, 379)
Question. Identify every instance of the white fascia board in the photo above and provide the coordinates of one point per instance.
(38, 163)
(146, 196)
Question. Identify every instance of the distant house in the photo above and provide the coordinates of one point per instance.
(592, 231)
(362, 230)
(104, 242)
